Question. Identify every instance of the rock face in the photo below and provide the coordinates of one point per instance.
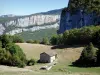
(76, 20)
(32, 29)
(33, 20)
(14, 25)
(2, 28)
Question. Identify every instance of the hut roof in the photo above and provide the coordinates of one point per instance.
(50, 53)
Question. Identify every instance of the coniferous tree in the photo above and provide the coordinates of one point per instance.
(88, 56)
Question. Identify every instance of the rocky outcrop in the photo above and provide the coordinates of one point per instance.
(77, 19)
(33, 20)
(2, 29)
(32, 29)
(18, 24)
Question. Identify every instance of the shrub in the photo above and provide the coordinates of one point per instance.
(0, 44)
(96, 38)
(45, 41)
(36, 42)
(30, 41)
(17, 39)
(31, 62)
(18, 57)
(10, 53)
(53, 40)
(88, 56)
(21, 64)
(5, 40)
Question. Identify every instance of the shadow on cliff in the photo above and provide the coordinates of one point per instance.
(65, 46)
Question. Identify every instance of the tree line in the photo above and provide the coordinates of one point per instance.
(82, 36)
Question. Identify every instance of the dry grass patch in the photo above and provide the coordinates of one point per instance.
(33, 50)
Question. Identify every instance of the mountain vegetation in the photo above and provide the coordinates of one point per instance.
(84, 36)
(85, 5)
(38, 35)
(88, 57)
(89, 36)
(75, 36)
(10, 53)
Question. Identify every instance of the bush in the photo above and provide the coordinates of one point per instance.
(54, 40)
(98, 57)
(36, 42)
(45, 41)
(96, 38)
(21, 65)
(17, 39)
(5, 40)
(31, 62)
(30, 41)
(10, 53)
(0, 44)
(17, 58)
(88, 57)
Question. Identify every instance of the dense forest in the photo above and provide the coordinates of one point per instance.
(82, 36)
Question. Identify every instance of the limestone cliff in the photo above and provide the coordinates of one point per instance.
(18, 24)
(77, 19)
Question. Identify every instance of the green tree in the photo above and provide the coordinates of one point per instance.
(0, 44)
(54, 40)
(60, 39)
(36, 42)
(10, 53)
(88, 56)
(85, 5)
(86, 35)
(30, 41)
(17, 39)
(18, 56)
(45, 41)
(5, 40)
(96, 38)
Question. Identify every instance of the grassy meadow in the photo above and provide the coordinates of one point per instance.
(65, 57)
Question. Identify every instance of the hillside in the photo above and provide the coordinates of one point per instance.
(38, 35)
(65, 57)
(80, 13)
(10, 24)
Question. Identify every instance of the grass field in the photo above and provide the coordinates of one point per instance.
(65, 58)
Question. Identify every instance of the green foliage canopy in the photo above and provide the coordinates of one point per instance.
(85, 5)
